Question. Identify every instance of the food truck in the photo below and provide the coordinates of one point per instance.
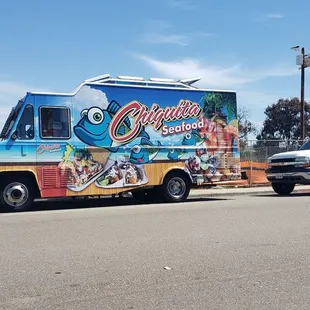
(154, 138)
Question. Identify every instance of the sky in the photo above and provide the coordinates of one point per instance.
(241, 45)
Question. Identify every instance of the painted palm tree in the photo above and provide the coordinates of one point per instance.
(219, 106)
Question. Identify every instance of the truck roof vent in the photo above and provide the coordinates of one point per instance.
(162, 80)
(98, 78)
(133, 78)
(190, 81)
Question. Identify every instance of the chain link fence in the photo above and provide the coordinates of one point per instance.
(254, 155)
(260, 150)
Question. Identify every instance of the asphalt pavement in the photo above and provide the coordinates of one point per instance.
(230, 252)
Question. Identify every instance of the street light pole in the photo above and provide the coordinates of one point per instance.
(302, 97)
(303, 61)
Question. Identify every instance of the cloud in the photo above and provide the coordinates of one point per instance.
(212, 75)
(269, 16)
(215, 76)
(274, 16)
(88, 97)
(175, 39)
(204, 34)
(157, 24)
(250, 98)
(153, 38)
(220, 77)
(181, 4)
(157, 31)
(255, 102)
(16, 89)
(10, 93)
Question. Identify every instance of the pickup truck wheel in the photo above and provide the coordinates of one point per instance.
(282, 188)
(17, 195)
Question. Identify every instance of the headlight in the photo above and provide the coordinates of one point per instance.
(302, 159)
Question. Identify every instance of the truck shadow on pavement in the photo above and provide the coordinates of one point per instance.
(68, 203)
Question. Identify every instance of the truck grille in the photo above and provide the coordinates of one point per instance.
(282, 169)
(283, 160)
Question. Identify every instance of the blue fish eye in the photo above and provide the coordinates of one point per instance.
(188, 136)
(171, 150)
(95, 116)
(136, 149)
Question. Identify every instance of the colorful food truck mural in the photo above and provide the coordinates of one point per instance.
(153, 138)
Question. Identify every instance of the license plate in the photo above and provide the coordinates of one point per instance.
(279, 176)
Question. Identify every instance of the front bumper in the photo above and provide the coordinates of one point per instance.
(300, 176)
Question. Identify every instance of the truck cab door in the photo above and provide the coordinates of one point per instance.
(54, 136)
(22, 143)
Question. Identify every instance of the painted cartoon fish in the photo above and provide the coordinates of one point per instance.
(175, 154)
(144, 152)
(192, 138)
(93, 128)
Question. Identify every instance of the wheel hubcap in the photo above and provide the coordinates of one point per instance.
(15, 194)
(176, 187)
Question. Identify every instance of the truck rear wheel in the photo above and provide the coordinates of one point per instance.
(176, 187)
(283, 188)
(17, 195)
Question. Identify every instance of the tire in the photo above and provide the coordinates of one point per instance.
(282, 188)
(17, 194)
(176, 187)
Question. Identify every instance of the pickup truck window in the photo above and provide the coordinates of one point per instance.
(306, 146)
(55, 123)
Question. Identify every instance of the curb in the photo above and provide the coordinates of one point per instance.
(227, 193)
(240, 192)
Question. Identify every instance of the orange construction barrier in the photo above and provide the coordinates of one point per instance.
(254, 165)
(255, 172)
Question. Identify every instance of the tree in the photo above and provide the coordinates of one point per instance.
(282, 123)
(246, 127)
(283, 120)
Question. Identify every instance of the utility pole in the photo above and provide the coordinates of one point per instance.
(302, 96)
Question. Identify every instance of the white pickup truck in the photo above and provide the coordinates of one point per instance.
(287, 169)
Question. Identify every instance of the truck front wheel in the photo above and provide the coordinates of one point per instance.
(282, 188)
(17, 195)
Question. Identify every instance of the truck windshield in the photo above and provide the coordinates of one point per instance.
(306, 146)
(11, 120)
